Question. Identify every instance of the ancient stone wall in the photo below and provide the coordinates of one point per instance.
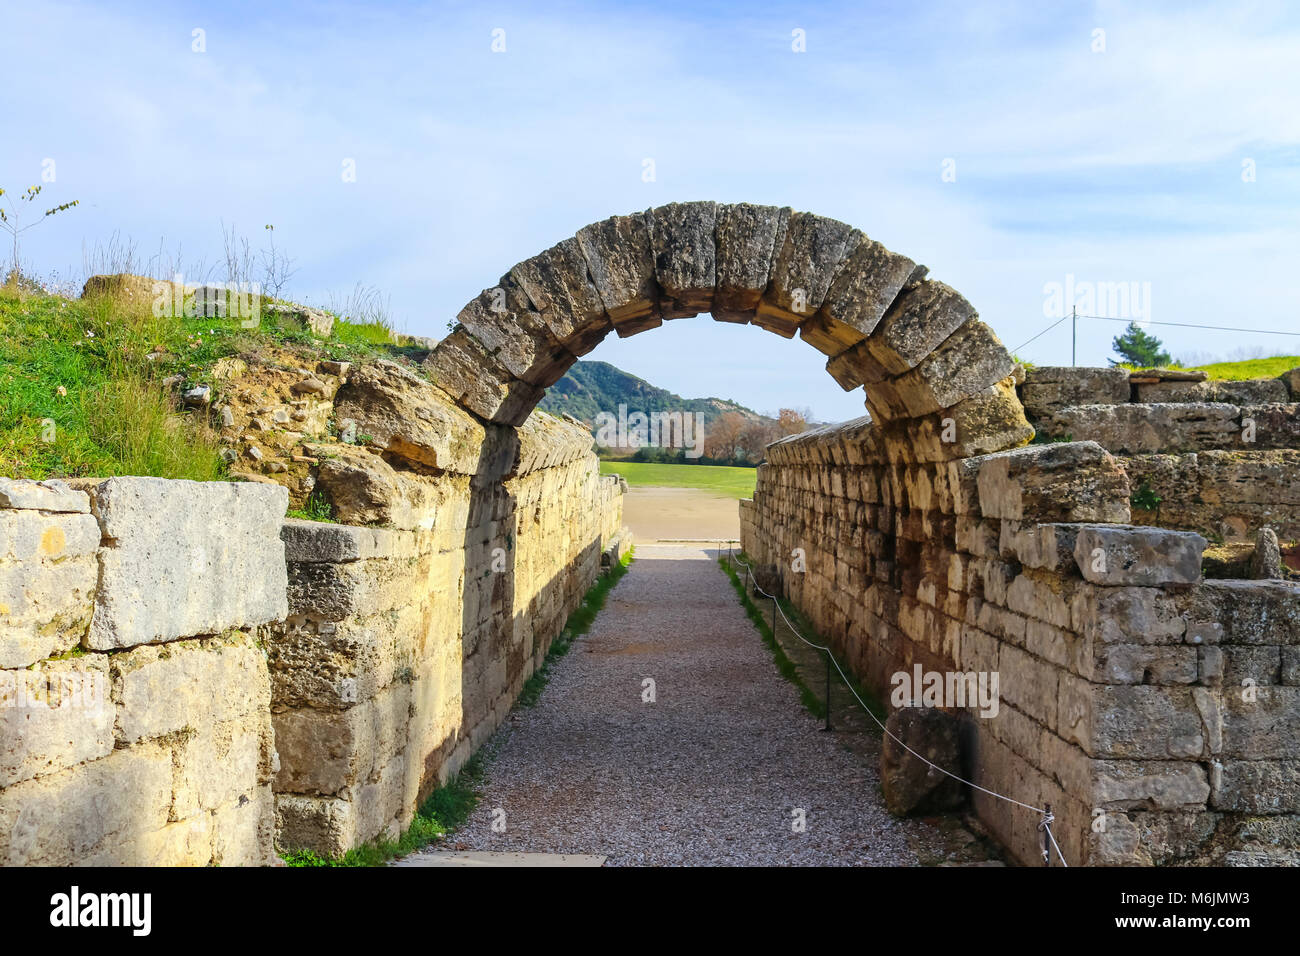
(134, 693)
(1118, 705)
(404, 650)
(140, 721)
(1220, 458)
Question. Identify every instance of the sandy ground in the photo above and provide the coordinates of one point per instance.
(722, 766)
(657, 514)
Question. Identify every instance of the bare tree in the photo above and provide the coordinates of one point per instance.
(722, 437)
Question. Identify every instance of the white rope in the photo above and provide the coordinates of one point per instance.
(1047, 825)
(1047, 817)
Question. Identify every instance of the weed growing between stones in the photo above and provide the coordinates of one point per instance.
(316, 508)
(447, 808)
(578, 623)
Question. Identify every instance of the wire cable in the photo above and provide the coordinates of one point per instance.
(831, 656)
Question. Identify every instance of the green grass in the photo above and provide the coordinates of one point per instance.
(82, 383)
(317, 508)
(815, 705)
(762, 620)
(719, 479)
(578, 623)
(1252, 368)
(447, 808)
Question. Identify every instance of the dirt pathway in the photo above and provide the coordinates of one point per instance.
(722, 767)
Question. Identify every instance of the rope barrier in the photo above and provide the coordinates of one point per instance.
(1047, 816)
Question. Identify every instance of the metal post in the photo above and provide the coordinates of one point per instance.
(774, 617)
(828, 691)
(1046, 827)
(1074, 333)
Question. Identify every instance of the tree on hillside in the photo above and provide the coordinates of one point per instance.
(722, 437)
(791, 421)
(756, 436)
(1136, 347)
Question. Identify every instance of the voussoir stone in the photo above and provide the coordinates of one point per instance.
(184, 557)
(560, 289)
(812, 253)
(681, 235)
(748, 239)
(621, 263)
(917, 322)
(502, 320)
(462, 367)
(858, 297)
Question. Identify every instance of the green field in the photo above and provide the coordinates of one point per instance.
(719, 479)
(1253, 368)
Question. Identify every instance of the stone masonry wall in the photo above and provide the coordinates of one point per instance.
(406, 646)
(1221, 456)
(1120, 671)
(134, 692)
(173, 691)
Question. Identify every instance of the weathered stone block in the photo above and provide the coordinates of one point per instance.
(748, 238)
(48, 575)
(621, 263)
(54, 716)
(1149, 785)
(812, 252)
(1076, 481)
(515, 336)
(559, 287)
(1047, 388)
(463, 368)
(920, 319)
(1148, 429)
(408, 417)
(186, 558)
(189, 684)
(52, 495)
(62, 819)
(322, 752)
(1256, 786)
(1120, 555)
(681, 235)
(865, 287)
(967, 363)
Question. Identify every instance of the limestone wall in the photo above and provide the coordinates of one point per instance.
(140, 720)
(1219, 457)
(134, 693)
(406, 647)
(1117, 701)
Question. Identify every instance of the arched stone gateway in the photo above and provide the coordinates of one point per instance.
(918, 347)
(925, 542)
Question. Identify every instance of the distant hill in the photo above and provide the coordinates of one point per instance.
(593, 387)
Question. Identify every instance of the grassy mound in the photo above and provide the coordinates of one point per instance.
(92, 386)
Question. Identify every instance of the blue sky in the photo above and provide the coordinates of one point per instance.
(1117, 166)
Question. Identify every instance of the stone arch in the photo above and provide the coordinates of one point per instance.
(935, 377)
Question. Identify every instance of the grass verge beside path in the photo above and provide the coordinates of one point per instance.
(762, 620)
(450, 805)
(719, 479)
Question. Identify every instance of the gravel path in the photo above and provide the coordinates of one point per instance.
(712, 772)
